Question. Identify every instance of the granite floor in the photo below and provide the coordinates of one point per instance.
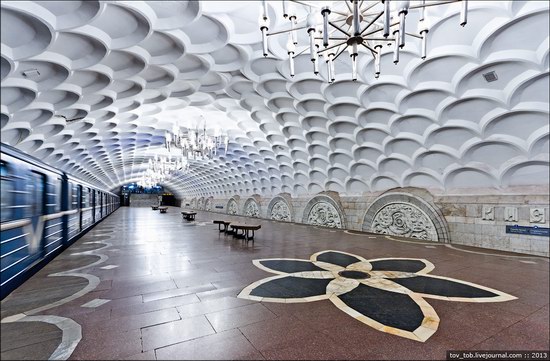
(145, 285)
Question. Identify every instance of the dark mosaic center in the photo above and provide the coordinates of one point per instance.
(356, 275)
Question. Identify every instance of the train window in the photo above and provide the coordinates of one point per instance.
(35, 187)
(7, 193)
(53, 193)
(74, 196)
(84, 197)
(59, 191)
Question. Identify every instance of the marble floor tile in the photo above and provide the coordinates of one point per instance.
(173, 295)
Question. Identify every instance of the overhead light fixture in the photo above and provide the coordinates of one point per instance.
(32, 74)
(160, 168)
(196, 143)
(490, 76)
(354, 25)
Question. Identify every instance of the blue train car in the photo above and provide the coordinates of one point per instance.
(43, 211)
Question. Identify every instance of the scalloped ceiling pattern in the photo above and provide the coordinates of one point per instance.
(132, 69)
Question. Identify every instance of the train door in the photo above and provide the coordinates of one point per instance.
(79, 195)
(36, 185)
(93, 204)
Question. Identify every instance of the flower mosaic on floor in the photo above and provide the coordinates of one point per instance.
(387, 294)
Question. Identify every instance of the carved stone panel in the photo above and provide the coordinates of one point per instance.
(406, 220)
(324, 214)
(232, 207)
(252, 209)
(280, 212)
(208, 204)
(193, 203)
(537, 215)
(200, 203)
(510, 214)
(488, 213)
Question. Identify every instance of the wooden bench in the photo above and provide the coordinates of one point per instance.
(225, 225)
(246, 229)
(162, 209)
(154, 208)
(190, 216)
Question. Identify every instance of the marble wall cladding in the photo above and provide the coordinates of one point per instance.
(464, 219)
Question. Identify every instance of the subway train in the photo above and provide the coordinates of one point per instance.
(43, 211)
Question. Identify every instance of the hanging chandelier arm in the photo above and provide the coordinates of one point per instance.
(349, 7)
(372, 22)
(379, 30)
(341, 51)
(330, 47)
(433, 4)
(414, 35)
(339, 28)
(286, 31)
(338, 12)
(331, 38)
(301, 52)
(367, 8)
(371, 49)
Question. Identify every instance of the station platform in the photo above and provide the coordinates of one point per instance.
(145, 285)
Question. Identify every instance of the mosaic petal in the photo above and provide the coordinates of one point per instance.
(286, 265)
(405, 315)
(451, 290)
(283, 288)
(339, 258)
(413, 265)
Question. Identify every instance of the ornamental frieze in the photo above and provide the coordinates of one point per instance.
(252, 209)
(232, 207)
(280, 212)
(406, 220)
(324, 214)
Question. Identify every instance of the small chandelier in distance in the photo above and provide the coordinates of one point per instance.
(359, 26)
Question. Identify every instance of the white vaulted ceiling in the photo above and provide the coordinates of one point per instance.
(129, 70)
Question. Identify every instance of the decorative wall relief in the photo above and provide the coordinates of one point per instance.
(193, 203)
(200, 203)
(280, 212)
(208, 204)
(404, 219)
(324, 214)
(416, 216)
(537, 215)
(488, 213)
(232, 207)
(251, 209)
(511, 214)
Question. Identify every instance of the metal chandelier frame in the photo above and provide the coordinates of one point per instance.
(365, 30)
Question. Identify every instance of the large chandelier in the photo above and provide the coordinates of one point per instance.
(354, 25)
(160, 168)
(195, 143)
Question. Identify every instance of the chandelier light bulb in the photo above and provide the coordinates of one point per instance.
(325, 12)
(264, 4)
(378, 48)
(464, 13)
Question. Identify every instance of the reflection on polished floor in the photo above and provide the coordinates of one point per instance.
(145, 285)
